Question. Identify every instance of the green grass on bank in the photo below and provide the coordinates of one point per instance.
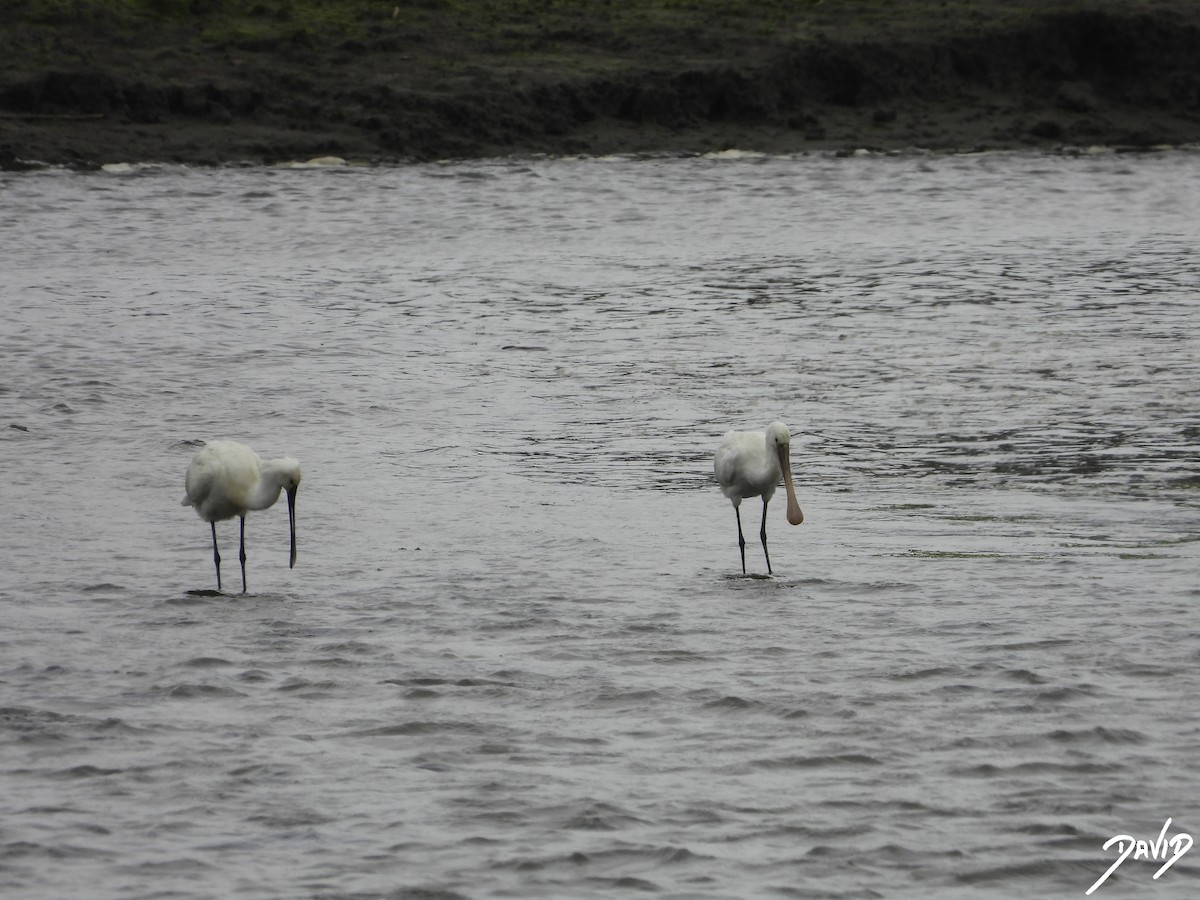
(511, 34)
(346, 17)
(510, 20)
(522, 33)
(498, 20)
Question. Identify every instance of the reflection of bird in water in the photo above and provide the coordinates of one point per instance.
(750, 464)
(227, 479)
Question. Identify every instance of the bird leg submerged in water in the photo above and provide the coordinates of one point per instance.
(741, 543)
(762, 536)
(750, 464)
(242, 550)
(216, 554)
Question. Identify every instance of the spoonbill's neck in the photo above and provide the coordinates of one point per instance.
(272, 475)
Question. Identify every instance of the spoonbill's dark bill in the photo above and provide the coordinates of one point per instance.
(227, 479)
(750, 464)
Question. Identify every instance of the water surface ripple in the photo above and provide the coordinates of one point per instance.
(516, 657)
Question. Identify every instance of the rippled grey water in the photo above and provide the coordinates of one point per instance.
(516, 657)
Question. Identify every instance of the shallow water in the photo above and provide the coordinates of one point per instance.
(517, 657)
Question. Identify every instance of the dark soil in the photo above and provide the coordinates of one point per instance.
(441, 79)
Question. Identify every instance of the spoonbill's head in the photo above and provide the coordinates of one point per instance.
(778, 436)
(779, 440)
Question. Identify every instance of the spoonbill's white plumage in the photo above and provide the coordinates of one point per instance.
(227, 479)
(750, 464)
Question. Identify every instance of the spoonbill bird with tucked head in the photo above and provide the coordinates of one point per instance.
(750, 464)
(227, 479)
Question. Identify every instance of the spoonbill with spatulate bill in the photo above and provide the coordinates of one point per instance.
(750, 464)
(227, 479)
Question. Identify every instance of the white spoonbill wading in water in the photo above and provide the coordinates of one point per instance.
(750, 464)
(227, 479)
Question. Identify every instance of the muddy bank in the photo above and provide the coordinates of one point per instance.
(83, 93)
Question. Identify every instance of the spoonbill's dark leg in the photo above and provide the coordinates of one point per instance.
(242, 553)
(216, 555)
(763, 536)
(741, 540)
